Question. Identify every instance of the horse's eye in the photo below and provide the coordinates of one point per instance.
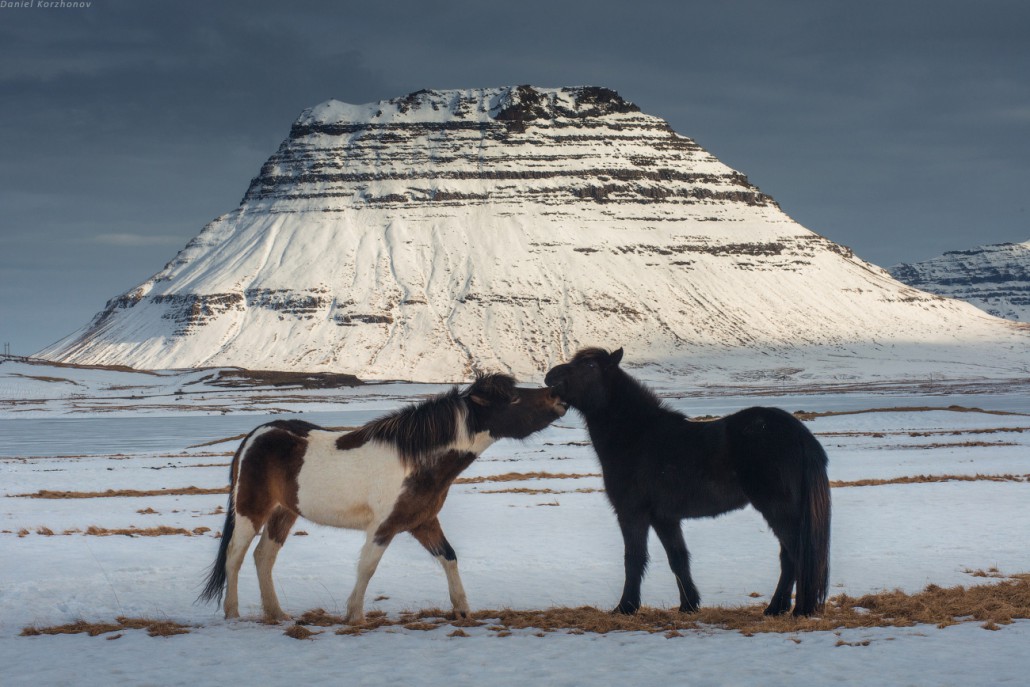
(591, 364)
(516, 400)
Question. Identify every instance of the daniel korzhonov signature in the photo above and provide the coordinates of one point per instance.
(46, 4)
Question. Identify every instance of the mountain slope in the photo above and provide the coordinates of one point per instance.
(431, 235)
(994, 278)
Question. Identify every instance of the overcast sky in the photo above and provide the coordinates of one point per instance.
(900, 128)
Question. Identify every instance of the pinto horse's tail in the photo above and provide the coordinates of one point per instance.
(813, 560)
(216, 578)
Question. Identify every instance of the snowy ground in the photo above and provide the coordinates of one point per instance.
(515, 550)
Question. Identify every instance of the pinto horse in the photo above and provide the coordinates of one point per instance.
(659, 468)
(387, 477)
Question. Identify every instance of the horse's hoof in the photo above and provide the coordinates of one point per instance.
(774, 611)
(354, 619)
(276, 618)
(690, 608)
(462, 614)
(625, 609)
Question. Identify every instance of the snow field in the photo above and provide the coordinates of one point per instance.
(519, 550)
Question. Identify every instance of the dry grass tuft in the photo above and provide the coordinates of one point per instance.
(300, 632)
(920, 479)
(806, 415)
(521, 476)
(154, 628)
(991, 605)
(534, 492)
(132, 493)
(160, 531)
(320, 618)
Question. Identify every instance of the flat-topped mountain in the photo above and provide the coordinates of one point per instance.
(427, 236)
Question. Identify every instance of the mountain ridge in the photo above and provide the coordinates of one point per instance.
(994, 277)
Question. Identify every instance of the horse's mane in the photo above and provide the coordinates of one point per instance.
(630, 393)
(419, 429)
(635, 393)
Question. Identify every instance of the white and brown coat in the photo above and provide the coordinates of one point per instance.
(388, 477)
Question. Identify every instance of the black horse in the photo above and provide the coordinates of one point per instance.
(659, 468)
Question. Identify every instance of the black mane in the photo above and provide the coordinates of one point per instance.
(419, 429)
(628, 394)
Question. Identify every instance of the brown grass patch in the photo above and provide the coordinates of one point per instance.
(908, 479)
(320, 618)
(241, 378)
(879, 434)
(919, 479)
(526, 490)
(955, 444)
(45, 378)
(809, 415)
(300, 632)
(992, 605)
(521, 476)
(154, 628)
(130, 493)
(160, 531)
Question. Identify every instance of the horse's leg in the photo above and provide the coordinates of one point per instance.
(430, 535)
(780, 602)
(785, 528)
(634, 537)
(272, 539)
(671, 536)
(243, 533)
(371, 553)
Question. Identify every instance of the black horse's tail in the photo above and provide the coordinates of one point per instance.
(813, 561)
(216, 578)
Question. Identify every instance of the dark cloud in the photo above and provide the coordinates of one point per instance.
(897, 128)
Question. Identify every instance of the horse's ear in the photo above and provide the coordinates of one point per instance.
(479, 400)
(615, 358)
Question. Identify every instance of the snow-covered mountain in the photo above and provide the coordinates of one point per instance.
(430, 235)
(995, 278)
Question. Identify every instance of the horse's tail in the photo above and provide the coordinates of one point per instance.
(813, 561)
(216, 579)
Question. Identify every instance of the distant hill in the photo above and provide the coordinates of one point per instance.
(994, 278)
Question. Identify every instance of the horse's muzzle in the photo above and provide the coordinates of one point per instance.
(554, 378)
(560, 406)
